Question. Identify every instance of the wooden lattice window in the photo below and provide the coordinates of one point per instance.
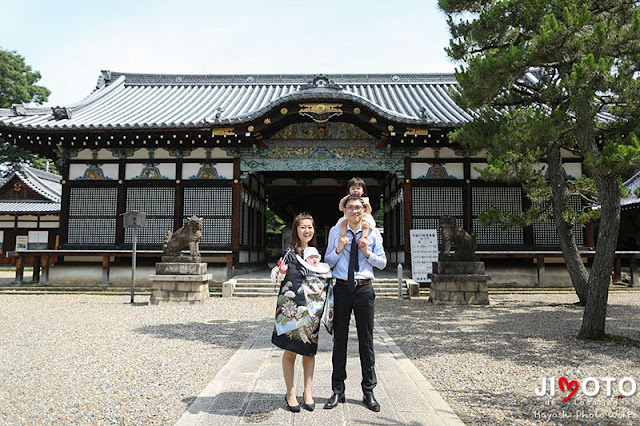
(545, 233)
(429, 203)
(92, 216)
(158, 204)
(215, 206)
(506, 198)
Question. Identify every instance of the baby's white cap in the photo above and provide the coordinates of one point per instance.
(310, 251)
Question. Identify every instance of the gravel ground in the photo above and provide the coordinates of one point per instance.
(85, 359)
(94, 359)
(487, 362)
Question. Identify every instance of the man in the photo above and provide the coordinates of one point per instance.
(353, 258)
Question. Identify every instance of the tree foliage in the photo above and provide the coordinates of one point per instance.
(275, 224)
(547, 77)
(18, 85)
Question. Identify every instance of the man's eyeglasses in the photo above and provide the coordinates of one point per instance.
(354, 208)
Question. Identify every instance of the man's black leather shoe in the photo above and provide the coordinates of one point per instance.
(371, 402)
(334, 400)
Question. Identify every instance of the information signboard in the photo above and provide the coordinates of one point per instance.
(424, 251)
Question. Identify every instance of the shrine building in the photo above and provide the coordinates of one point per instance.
(224, 147)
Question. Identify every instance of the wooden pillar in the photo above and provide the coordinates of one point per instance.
(44, 278)
(65, 204)
(617, 269)
(19, 270)
(589, 238)
(634, 278)
(235, 220)
(105, 270)
(121, 203)
(540, 270)
(408, 212)
(178, 210)
(35, 278)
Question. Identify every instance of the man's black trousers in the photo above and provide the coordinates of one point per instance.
(361, 302)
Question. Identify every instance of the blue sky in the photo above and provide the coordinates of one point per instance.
(69, 42)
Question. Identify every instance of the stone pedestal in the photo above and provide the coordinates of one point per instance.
(459, 283)
(180, 282)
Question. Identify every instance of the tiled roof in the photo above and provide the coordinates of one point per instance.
(8, 207)
(44, 183)
(632, 185)
(131, 101)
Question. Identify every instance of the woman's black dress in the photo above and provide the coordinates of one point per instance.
(299, 308)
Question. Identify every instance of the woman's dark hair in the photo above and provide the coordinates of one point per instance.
(295, 240)
(359, 182)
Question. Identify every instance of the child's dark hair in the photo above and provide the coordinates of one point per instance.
(356, 181)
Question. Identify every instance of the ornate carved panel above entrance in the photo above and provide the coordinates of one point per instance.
(312, 131)
(313, 164)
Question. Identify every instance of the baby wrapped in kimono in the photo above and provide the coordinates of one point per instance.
(301, 304)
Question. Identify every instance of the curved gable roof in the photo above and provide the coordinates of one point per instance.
(633, 185)
(44, 183)
(131, 101)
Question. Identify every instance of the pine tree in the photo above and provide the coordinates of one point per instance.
(18, 85)
(543, 76)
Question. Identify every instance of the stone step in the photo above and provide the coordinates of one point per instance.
(257, 285)
(254, 280)
(259, 291)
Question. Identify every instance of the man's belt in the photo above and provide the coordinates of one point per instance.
(357, 282)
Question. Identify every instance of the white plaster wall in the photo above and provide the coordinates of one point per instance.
(475, 174)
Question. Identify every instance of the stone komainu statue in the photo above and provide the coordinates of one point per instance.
(453, 234)
(189, 235)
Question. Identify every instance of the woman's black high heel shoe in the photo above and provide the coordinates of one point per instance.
(292, 408)
(309, 407)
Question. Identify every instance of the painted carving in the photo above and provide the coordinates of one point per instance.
(313, 131)
(94, 172)
(329, 164)
(436, 172)
(150, 171)
(122, 152)
(207, 171)
(179, 152)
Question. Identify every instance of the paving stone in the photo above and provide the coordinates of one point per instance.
(220, 418)
(253, 381)
(267, 411)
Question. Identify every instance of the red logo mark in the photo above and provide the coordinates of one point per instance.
(566, 385)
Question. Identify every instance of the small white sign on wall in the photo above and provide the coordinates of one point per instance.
(424, 251)
(21, 242)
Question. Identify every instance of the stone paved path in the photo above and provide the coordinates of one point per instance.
(250, 388)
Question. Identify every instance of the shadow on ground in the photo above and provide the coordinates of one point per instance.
(224, 335)
(524, 333)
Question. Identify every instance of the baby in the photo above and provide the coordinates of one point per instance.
(312, 261)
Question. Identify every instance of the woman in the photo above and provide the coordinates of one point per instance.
(298, 311)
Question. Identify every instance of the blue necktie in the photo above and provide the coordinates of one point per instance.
(354, 265)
